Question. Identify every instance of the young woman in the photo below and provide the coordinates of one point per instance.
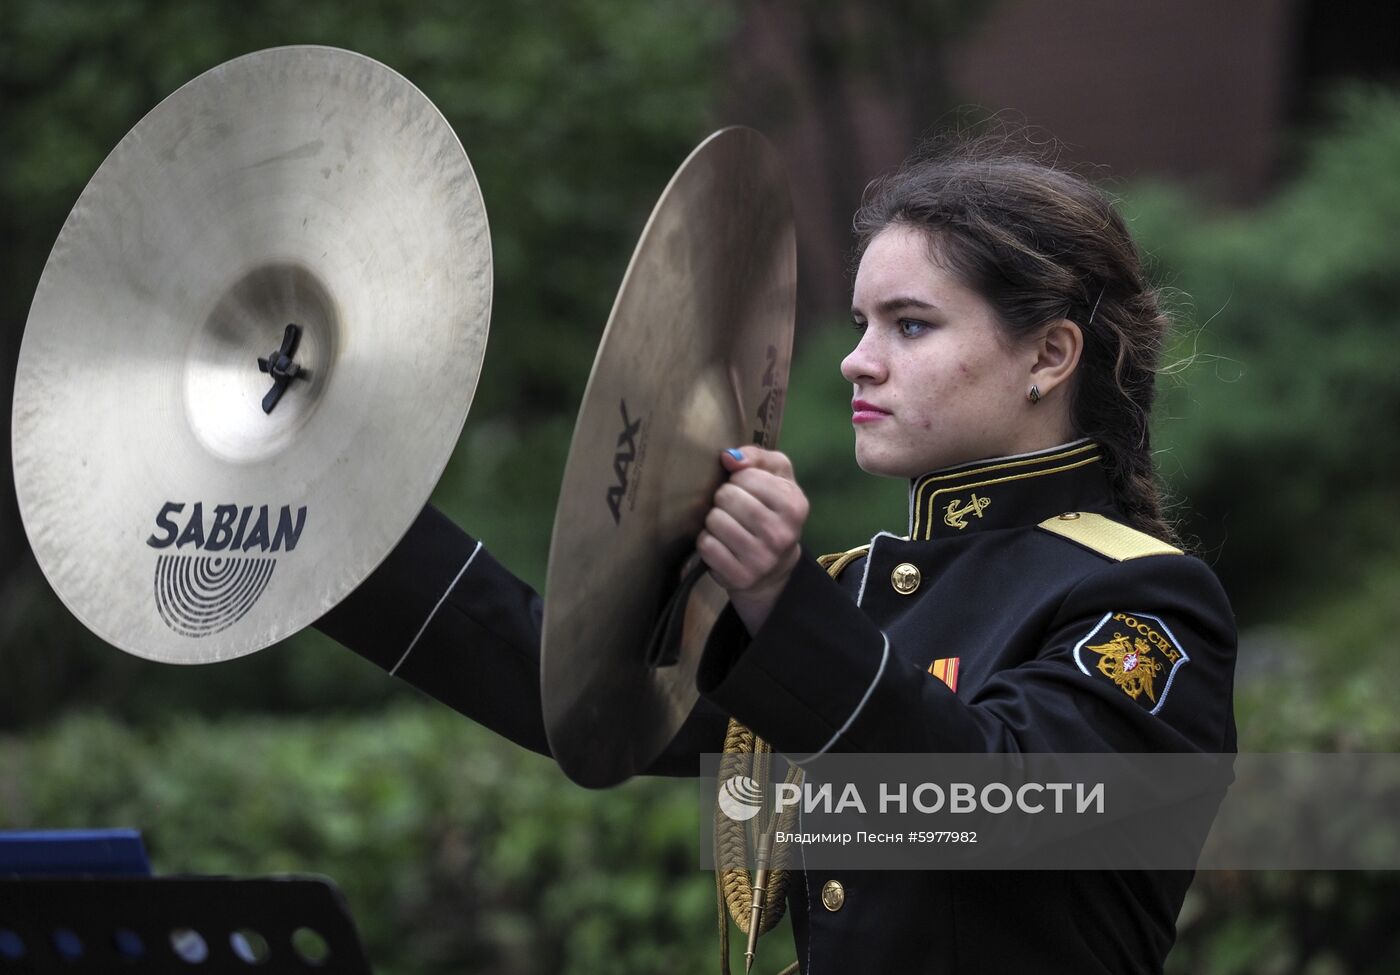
(1005, 365)
(1008, 342)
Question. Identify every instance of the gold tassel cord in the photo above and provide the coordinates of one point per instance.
(747, 754)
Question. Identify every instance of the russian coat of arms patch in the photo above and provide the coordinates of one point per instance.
(1137, 652)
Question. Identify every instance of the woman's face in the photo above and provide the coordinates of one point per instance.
(937, 382)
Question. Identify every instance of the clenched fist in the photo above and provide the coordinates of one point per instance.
(751, 536)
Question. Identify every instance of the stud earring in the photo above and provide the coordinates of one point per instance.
(1034, 394)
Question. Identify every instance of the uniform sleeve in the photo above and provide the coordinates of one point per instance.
(1138, 657)
(442, 614)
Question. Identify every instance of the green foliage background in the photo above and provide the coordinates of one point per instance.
(458, 851)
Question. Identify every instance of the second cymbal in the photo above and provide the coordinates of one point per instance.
(694, 359)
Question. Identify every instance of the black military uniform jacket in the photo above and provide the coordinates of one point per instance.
(974, 634)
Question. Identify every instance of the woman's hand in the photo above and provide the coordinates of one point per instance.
(751, 537)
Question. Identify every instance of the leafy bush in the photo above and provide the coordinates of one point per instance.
(1280, 436)
(458, 851)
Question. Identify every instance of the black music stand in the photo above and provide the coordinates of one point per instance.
(78, 902)
(193, 925)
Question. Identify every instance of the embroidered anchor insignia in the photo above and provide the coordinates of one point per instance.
(956, 517)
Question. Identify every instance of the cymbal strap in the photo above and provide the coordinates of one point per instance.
(664, 645)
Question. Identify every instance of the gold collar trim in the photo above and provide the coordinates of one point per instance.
(929, 491)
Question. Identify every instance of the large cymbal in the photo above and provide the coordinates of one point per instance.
(694, 359)
(301, 185)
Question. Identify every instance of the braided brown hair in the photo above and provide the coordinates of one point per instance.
(1039, 244)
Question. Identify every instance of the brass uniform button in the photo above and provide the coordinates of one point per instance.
(1069, 516)
(833, 895)
(905, 578)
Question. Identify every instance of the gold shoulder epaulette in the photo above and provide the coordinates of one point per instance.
(837, 561)
(1114, 539)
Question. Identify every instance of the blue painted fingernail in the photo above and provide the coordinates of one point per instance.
(736, 453)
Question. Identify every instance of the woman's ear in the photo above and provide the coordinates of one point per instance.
(1057, 352)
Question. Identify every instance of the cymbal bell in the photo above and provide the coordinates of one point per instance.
(694, 359)
(303, 206)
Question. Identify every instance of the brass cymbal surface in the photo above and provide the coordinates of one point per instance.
(198, 479)
(694, 359)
